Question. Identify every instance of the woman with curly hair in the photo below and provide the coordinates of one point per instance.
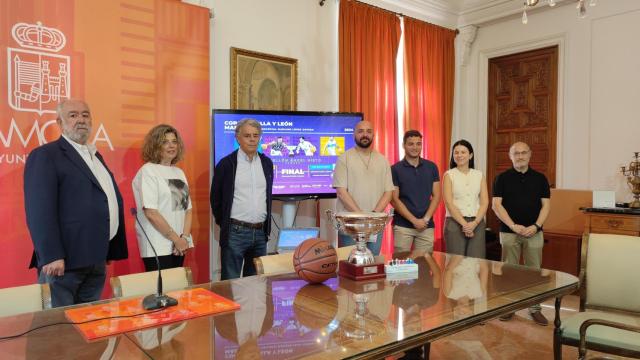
(162, 199)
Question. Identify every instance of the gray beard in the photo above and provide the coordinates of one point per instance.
(80, 139)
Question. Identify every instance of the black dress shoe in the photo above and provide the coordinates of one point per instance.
(538, 318)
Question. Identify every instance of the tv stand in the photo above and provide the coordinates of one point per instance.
(289, 207)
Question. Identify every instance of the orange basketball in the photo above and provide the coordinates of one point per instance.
(315, 260)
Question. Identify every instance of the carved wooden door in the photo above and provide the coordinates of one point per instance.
(522, 107)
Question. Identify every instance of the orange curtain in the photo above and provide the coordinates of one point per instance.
(368, 45)
(429, 68)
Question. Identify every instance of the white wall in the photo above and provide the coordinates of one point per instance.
(599, 88)
(598, 77)
(293, 28)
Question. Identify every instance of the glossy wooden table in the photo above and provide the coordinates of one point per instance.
(59, 341)
(283, 317)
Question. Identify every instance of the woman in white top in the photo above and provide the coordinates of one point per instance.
(466, 199)
(163, 220)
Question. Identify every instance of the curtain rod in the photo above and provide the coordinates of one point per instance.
(394, 12)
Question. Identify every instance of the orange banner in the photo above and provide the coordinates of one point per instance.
(137, 63)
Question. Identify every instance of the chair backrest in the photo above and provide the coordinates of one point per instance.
(24, 299)
(274, 264)
(283, 263)
(611, 269)
(146, 283)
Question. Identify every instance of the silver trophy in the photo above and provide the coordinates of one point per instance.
(361, 226)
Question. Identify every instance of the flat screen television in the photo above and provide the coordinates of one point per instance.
(304, 146)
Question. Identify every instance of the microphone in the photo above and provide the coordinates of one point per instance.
(157, 300)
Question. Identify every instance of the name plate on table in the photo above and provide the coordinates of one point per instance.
(192, 303)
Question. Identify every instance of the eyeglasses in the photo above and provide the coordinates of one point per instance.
(521, 153)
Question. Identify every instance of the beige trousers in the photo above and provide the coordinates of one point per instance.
(531, 249)
(404, 237)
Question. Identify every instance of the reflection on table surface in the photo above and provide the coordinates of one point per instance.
(282, 317)
(59, 341)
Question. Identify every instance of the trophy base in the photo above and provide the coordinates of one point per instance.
(361, 272)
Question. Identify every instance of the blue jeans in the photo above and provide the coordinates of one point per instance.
(244, 245)
(347, 240)
(76, 286)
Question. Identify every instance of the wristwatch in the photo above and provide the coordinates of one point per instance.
(538, 227)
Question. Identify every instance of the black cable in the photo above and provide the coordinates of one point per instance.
(295, 215)
(76, 323)
(275, 223)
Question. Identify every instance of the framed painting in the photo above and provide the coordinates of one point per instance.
(262, 81)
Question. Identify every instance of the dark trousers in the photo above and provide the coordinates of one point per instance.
(458, 243)
(76, 286)
(244, 244)
(166, 262)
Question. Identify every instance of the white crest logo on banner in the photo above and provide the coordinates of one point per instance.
(37, 79)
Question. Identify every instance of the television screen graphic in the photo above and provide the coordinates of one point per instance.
(304, 146)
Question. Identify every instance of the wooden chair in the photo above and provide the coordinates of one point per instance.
(611, 293)
(24, 299)
(283, 263)
(146, 283)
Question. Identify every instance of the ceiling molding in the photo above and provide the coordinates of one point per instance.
(460, 13)
(479, 12)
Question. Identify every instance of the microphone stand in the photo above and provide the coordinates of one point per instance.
(157, 300)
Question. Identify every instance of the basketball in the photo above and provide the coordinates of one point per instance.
(315, 260)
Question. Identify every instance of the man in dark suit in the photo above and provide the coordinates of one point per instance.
(74, 211)
(241, 202)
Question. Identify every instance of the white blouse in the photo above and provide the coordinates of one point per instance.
(163, 188)
(466, 190)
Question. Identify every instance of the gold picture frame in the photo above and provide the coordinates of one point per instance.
(262, 81)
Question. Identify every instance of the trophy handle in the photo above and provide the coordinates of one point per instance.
(330, 214)
(331, 217)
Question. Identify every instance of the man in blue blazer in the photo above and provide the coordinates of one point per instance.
(74, 211)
